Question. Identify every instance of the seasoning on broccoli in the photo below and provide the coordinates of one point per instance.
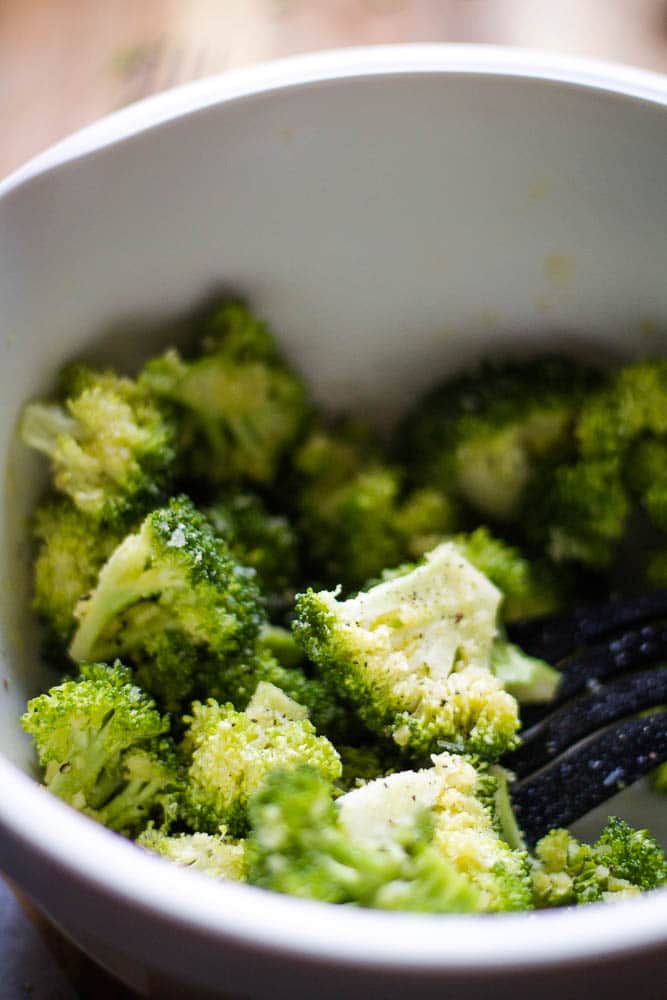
(232, 752)
(413, 655)
(102, 743)
(173, 602)
(111, 444)
(239, 406)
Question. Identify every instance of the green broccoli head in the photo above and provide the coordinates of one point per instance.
(237, 681)
(632, 405)
(111, 444)
(621, 863)
(459, 797)
(528, 588)
(353, 511)
(216, 855)
(103, 745)
(580, 512)
(173, 601)
(483, 435)
(645, 471)
(232, 752)
(298, 845)
(240, 408)
(265, 541)
(72, 548)
(413, 655)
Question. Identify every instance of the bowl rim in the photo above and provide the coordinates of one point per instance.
(39, 826)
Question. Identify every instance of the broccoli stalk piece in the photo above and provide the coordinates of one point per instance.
(621, 863)
(218, 856)
(72, 550)
(173, 602)
(111, 445)
(239, 406)
(413, 654)
(232, 752)
(353, 511)
(484, 435)
(103, 745)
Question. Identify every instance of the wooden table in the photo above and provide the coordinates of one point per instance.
(64, 63)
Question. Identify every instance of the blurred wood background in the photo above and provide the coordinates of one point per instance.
(64, 63)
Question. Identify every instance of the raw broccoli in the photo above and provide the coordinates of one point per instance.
(232, 752)
(72, 548)
(355, 517)
(631, 406)
(102, 743)
(413, 655)
(622, 862)
(216, 855)
(528, 588)
(265, 541)
(240, 408)
(111, 444)
(483, 435)
(420, 840)
(579, 512)
(298, 846)
(173, 601)
(646, 477)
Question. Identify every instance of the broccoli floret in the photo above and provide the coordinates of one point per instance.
(240, 407)
(354, 514)
(528, 679)
(420, 840)
(297, 845)
(265, 541)
(528, 588)
(237, 681)
(413, 655)
(622, 862)
(173, 601)
(102, 743)
(580, 512)
(483, 435)
(216, 855)
(71, 550)
(232, 752)
(646, 477)
(111, 445)
(461, 801)
(631, 406)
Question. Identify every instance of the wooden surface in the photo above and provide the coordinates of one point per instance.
(64, 63)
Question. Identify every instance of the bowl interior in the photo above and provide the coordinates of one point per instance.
(392, 226)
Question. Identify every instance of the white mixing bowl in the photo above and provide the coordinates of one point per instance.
(395, 213)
